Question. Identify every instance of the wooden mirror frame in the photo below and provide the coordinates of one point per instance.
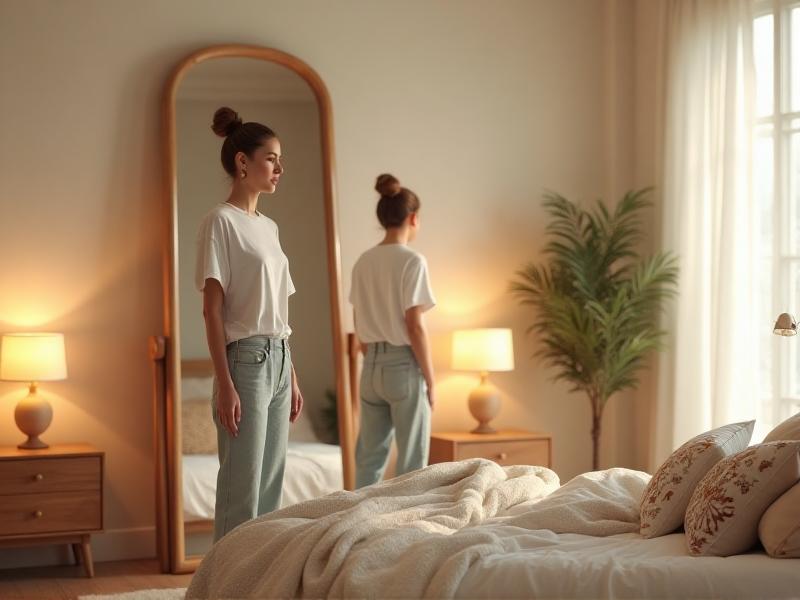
(165, 350)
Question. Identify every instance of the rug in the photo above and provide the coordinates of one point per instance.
(162, 594)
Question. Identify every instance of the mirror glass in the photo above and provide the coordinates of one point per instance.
(279, 98)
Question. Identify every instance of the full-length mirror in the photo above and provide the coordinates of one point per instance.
(279, 91)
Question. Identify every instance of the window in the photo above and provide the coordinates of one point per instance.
(776, 154)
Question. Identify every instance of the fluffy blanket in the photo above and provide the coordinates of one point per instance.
(413, 536)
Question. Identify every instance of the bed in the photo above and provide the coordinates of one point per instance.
(474, 529)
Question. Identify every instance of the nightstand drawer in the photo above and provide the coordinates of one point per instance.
(48, 513)
(523, 452)
(33, 476)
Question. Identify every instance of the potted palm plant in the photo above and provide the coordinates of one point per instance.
(596, 300)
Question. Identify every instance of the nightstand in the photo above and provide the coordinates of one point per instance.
(52, 496)
(506, 447)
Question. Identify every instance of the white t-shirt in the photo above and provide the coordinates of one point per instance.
(243, 253)
(388, 280)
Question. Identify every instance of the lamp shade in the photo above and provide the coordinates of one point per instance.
(785, 324)
(483, 350)
(33, 357)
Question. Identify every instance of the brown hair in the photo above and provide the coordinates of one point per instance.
(396, 202)
(239, 136)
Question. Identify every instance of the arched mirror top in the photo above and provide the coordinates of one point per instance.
(270, 55)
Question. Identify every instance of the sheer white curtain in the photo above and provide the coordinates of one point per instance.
(708, 376)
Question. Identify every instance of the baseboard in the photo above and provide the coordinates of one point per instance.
(113, 544)
(125, 544)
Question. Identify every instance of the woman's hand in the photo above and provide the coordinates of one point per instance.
(297, 402)
(431, 399)
(297, 399)
(229, 408)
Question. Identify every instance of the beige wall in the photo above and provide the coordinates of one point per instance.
(646, 169)
(477, 108)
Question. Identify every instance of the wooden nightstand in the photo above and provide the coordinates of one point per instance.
(52, 496)
(506, 447)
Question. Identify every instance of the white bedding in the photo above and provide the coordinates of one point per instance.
(476, 530)
(543, 564)
(312, 470)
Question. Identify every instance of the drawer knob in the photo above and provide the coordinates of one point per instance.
(38, 477)
(38, 514)
(502, 456)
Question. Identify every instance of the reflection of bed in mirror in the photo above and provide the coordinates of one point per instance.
(313, 468)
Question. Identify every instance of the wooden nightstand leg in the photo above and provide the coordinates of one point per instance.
(76, 552)
(86, 548)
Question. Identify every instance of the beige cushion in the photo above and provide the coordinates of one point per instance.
(725, 509)
(788, 430)
(667, 495)
(779, 528)
(199, 434)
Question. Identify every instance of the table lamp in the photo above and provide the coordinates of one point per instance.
(33, 357)
(483, 350)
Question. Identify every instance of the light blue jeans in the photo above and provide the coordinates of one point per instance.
(251, 465)
(394, 397)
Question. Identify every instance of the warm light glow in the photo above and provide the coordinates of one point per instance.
(32, 357)
(483, 350)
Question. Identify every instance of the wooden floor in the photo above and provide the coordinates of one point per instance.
(69, 582)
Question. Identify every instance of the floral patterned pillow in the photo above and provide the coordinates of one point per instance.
(723, 514)
(667, 495)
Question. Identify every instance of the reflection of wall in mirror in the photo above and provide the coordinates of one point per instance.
(297, 207)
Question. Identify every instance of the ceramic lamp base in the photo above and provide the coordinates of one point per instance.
(484, 404)
(484, 428)
(33, 415)
(33, 443)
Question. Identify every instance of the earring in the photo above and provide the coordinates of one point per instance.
(244, 174)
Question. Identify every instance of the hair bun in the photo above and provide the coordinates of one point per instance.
(226, 121)
(387, 185)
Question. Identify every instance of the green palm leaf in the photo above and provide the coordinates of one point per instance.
(596, 301)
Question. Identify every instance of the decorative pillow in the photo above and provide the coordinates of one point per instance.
(779, 528)
(788, 430)
(667, 495)
(723, 514)
(198, 432)
(197, 388)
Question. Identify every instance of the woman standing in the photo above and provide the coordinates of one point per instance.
(390, 291)
(244, 276)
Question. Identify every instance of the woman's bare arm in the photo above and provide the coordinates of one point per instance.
(418, 335)
(361, 344)
(229, 408)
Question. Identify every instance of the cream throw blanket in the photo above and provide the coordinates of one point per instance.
(414, 536)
